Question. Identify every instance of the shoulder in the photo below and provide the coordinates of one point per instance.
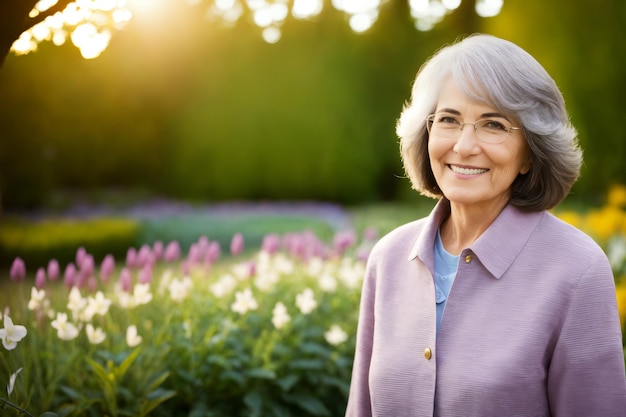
(564, 237)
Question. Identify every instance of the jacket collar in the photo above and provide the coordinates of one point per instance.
(496, 248)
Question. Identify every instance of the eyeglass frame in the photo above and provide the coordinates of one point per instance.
(430, 121)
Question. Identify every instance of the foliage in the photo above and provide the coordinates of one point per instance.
(37, 242)
(265, 334)
(259, 333)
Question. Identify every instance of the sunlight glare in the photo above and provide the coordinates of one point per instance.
(304, 9)
(488, 8)
(271, 34)
(361, 22)
(451, 4)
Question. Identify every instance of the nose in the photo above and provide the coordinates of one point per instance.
(467, 142)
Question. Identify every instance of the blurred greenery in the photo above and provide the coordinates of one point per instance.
(187, 108)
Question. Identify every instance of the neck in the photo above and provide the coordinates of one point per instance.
(465, 224)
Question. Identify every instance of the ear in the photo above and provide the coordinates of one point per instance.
(525, 167)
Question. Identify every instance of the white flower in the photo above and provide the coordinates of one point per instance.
(335, 336)
(65, 330)
(351, 273)
(315, 267)
(11, 334)
(179, 290)
(141, 294)
(96, 305)
(132, 338)
(37, 298)
(244, 301)
(95, 335)
(12, 381)
(305, 301)
(266, 280)
(280, 317)
(224, 286)
(76, 302)
(327, 282)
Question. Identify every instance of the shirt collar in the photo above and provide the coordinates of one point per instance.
(496, 248)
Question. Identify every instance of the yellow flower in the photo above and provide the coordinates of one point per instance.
(604, 222)
(620, 291)
(616, 196)
(571, 217)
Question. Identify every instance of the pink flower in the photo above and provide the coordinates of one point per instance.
(126, 280)
(172, 251)
(131, 258)
(144, 256)
(40, 278)
(145, 275)
(213, 252)
(107, 267)
(343, 240)
(92, 284)
(54, 271)
(271, 243)
(157, 250)
(18, 269)
(80, 254)
(236, 244)
(195, 254)
(370, 234)
(87, 265)
(69, 277)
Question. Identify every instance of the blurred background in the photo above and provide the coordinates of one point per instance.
(187, 107)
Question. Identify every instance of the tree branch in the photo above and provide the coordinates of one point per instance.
(29, 22)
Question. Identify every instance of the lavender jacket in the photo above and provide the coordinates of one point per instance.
(530, 328)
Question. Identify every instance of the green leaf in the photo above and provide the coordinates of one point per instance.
(155, 398)
(287, 382)
(157, 380)
(307, 364)
(261, 373)
(254, 401)
(309, 403)
(120, 371)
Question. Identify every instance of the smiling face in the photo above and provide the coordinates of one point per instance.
(471, 172)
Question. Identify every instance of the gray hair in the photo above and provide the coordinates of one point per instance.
(503, 75)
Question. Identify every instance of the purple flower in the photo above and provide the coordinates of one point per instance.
(343, 240)
(54, 271)
(107, 267)
(145, 275)
(213, 252)
(126, 280)
(144, 256)
(271, 243)
(87, 265)
(172, 251)
(131, 258)
(157, 250)
(195, 254)
(18, 269)
(92, 283)
(80, 254)
(40, 278)
(69, 277)
(236, 244)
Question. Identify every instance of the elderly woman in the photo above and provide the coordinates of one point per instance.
(490, 306)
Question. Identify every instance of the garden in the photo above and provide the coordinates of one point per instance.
(247, 324)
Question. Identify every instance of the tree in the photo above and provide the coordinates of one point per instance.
(15, 19)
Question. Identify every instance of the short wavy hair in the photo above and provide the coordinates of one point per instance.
(503, 75)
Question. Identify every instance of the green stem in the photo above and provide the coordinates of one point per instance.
(20, 409)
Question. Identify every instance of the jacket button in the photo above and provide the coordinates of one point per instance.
(428, 353)
(468, 259)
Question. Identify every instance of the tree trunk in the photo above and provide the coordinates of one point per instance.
(14, 20)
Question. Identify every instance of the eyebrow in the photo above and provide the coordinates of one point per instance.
(482, 116)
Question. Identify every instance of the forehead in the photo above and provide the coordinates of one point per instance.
(451, 96)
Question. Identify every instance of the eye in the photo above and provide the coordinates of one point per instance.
(493, 125)
(446, 119)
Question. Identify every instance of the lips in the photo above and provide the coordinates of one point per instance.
(467, 171)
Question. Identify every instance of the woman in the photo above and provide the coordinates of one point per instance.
(491, 306)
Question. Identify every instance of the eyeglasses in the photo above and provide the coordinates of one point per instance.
(446, 125)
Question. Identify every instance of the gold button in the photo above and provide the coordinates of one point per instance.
(428, 353)
(468, 259)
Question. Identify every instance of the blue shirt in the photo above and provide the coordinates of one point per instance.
(445, 270)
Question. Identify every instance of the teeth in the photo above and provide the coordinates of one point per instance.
(467, 171)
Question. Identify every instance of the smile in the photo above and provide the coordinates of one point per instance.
(467, 171)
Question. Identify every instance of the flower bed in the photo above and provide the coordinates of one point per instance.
(194, 333)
